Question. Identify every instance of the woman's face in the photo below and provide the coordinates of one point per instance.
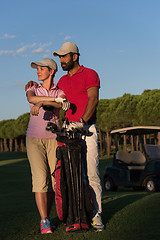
(43, 73)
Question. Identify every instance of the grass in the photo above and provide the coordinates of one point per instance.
(127, 214)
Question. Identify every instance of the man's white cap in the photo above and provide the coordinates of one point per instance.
(45, 62)
(67, 47)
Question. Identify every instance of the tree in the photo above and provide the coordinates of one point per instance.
(128, 110)
(21, 125)
(7, 131)
(148, 108)
(126, 114)
(13, 129)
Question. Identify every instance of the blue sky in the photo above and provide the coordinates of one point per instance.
(120, 39)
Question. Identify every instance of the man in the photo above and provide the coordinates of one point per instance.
(81, 87)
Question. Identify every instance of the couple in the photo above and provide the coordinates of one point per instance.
(80, 86)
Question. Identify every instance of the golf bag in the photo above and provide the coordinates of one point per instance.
(72, 192)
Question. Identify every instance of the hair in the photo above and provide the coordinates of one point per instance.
(49, 68)
(71, 54)
(52, 69)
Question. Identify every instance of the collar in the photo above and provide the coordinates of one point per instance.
(81, 68)
(40, 85)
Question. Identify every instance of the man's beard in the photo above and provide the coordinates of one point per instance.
(67, 66)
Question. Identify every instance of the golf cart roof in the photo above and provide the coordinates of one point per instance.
(138, 130)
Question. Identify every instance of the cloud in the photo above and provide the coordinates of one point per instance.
(46, 44)
(46, 55)
(24, 48)
(67, 38)
(7, 36)
(16, 83)
(21, 50)
(6, 52)
(40, 48)
(121, 51)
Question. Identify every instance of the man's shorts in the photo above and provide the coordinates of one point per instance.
(42, 158)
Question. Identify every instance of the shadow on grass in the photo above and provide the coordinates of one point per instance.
(19, 210)
(113, 204)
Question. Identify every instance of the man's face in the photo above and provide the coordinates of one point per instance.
(67, 62)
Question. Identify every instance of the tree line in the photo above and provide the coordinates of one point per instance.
(13, 132)
(128, 110)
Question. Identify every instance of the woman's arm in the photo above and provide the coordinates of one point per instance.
(59, 102)
(37, 106)
(32, 98)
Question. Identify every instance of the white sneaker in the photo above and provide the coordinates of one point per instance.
(97, 223)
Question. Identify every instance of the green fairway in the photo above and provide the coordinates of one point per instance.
(127, 214)
(11, 161)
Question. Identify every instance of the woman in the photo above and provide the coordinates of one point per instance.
(42, 144)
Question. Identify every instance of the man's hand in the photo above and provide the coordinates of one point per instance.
(65, 103)
(75, 125)
(30, 84)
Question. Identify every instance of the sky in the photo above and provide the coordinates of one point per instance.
(119, 39)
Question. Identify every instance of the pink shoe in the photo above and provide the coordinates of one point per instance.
(45, 226)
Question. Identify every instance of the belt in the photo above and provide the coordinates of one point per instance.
(89, 122)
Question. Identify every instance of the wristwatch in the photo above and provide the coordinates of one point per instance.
(81, 120)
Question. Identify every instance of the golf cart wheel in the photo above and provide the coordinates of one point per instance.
(109, 184)
(153, 184)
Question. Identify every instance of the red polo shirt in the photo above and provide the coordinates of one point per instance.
(75, 89)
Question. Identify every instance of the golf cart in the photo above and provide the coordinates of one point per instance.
(135, 169)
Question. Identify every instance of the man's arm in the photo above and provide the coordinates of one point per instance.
(93, 95)
(30, 84)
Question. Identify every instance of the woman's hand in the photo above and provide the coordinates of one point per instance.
(35, 109)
